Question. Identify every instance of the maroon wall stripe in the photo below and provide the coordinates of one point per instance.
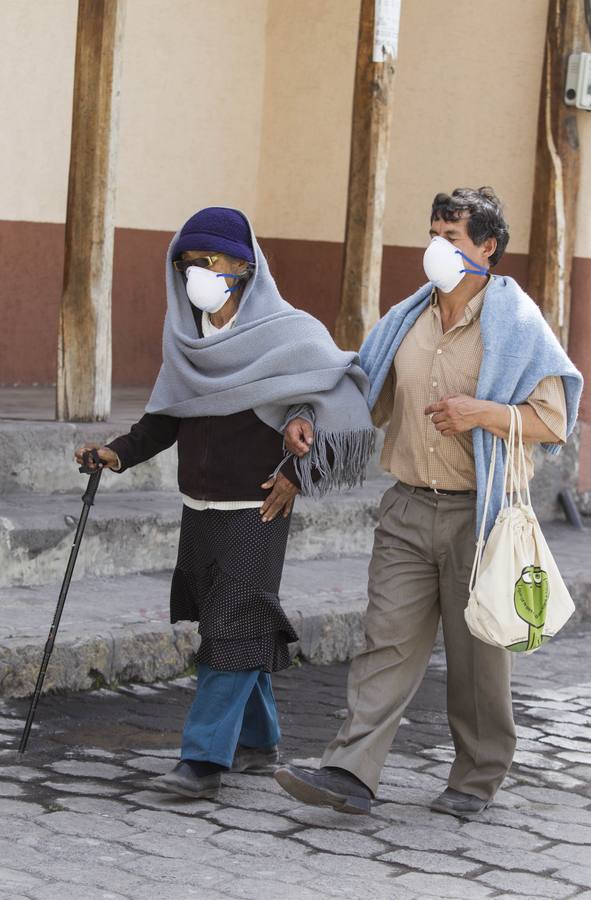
(308, 274)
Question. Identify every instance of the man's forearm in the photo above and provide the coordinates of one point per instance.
(496, 418)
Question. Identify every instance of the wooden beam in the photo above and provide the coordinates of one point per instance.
(556, 182)
(84, 340)
(370, 141)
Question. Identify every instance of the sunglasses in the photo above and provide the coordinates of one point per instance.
(203, 262)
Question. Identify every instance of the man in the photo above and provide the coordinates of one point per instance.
(237, 358)
(442, 366)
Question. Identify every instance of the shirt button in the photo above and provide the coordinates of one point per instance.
(439, 351)
(434, 384)
(431, 449)
(433, 481)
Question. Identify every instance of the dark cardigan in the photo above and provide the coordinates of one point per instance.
(220, 457)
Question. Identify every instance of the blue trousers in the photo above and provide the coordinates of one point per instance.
(229, 708)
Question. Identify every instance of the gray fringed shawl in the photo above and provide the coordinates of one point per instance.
(273, 359)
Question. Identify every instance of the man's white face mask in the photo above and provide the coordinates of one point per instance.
(208, 290)
(445, 265)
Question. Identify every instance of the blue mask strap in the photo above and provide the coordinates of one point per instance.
(477, 270)
(228, 275)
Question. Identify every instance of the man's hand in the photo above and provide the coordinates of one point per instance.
(455, 415)
(299, 437)
(108, 457)
(280, 499)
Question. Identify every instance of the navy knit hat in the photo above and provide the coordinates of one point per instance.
(218, 229)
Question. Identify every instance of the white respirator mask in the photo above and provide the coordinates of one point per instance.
(207, 290)
(445, 265)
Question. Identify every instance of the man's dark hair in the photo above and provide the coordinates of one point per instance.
(485, 211)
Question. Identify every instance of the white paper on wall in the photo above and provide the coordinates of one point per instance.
(387, 26)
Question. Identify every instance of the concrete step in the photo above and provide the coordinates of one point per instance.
(39, 457)
(137, 531)
(117, 629)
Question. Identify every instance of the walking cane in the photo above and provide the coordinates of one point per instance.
(87, 500)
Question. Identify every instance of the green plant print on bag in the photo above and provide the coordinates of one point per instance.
(531, 604)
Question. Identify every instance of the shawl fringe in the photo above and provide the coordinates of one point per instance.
(351, 452)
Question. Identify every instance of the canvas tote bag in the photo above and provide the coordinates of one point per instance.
(518, 599)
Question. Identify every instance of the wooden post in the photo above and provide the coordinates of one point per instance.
(370, 139)
(556, 183)
(84, 340)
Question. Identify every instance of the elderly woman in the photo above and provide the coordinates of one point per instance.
(239, 363)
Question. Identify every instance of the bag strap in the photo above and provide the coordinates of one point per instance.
(480, 541)
(522, 466)
(509, 475)
(509, 481)
(512, 480)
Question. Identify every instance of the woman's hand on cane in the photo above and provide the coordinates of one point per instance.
(280, 499)
(108, 457)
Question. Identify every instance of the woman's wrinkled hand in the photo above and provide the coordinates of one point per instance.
(298, 436)
(281, 498)
(108, 457)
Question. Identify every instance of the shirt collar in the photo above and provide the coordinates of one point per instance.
(473, 307)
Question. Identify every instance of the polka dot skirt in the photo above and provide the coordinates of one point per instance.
(227, 578)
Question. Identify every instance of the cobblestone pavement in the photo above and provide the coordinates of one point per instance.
(78, 819)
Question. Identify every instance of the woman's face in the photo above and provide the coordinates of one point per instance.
(220, 263)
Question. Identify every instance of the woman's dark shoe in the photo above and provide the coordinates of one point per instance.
(454, 803)
(183, 780)
(326, 787)
(255, 760)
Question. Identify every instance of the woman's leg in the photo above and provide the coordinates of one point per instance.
(215, 718)
(260, 725)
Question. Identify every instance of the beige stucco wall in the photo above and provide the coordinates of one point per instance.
(479, 67)
(191, 108)
(465, 113)
(36, 78)
(250, 104)
(310, 67)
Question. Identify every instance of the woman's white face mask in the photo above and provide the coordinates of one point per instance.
(445, 265)
(207, 290)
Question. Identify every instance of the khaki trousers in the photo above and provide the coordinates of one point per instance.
(420, 571)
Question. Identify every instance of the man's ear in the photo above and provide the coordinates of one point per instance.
(490, 245)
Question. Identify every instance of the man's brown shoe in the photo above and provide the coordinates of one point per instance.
(326, 787)
(454, 803)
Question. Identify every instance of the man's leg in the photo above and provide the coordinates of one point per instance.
(478, 675)
(401, 624)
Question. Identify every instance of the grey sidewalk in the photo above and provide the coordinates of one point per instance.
(79, 820)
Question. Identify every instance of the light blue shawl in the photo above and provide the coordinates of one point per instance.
(519, 350)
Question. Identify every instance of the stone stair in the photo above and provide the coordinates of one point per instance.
(115, 626)
(137, 531)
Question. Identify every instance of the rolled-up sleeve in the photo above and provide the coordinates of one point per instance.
(548, 402)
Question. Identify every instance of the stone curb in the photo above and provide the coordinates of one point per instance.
(331, 630)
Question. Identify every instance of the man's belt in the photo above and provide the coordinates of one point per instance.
(430, 490)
